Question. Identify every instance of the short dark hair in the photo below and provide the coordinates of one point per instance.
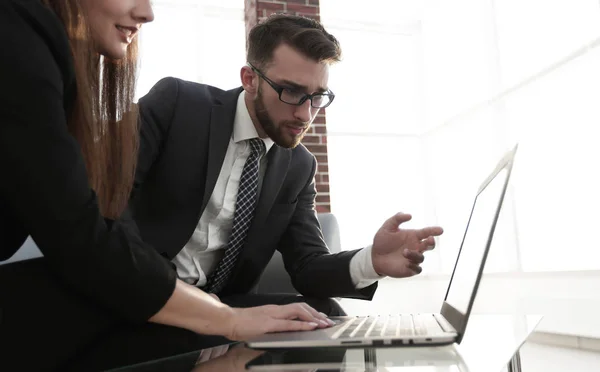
(304, 34)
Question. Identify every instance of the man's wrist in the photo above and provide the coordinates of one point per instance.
(361, 269)
(369, 268)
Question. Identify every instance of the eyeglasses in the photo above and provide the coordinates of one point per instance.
(295, 97)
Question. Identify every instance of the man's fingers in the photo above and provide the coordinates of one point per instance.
(284, 325)
(427, 244)
(392, 223)
(416, 269)
(414, 256)
(429, 231)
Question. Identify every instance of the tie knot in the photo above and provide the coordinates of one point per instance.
(257, 146)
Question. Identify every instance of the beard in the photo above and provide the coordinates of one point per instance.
(279, 133)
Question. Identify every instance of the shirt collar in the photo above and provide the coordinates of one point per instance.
(243, 128)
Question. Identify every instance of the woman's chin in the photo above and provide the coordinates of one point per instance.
(115, 52)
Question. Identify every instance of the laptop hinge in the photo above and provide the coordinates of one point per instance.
(446, 326)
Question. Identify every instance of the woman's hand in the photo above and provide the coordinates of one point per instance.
(195, 310)
(255, 321)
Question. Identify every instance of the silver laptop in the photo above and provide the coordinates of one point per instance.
(421, 329)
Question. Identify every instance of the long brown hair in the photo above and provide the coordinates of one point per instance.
(103, 118)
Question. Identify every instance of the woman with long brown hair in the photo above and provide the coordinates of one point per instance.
(68, 137)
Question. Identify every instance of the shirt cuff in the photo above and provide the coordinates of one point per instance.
(361, 269)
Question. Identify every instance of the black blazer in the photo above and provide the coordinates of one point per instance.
(185, 133)
(44, 190)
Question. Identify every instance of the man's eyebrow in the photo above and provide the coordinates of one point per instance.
(302, 87)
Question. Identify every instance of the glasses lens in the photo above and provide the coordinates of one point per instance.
(321, 100)
(291, 97)
(294, 98)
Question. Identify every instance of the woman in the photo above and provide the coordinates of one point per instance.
(67, 158)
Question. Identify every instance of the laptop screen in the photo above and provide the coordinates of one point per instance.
(475, 242)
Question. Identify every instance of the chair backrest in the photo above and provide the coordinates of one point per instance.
(331, 231)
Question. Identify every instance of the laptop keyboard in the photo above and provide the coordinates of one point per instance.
(390, 326)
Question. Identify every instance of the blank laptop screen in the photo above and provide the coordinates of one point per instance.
(474, 243)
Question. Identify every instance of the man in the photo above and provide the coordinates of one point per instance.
(223, 179)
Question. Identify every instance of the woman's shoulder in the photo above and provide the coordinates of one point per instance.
(35, 15)
(29, 29)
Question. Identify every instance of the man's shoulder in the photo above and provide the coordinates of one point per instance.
(184, 88)
(301, 155)
(301, 150)
(193, 87)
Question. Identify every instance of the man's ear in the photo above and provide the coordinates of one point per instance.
(249, 80)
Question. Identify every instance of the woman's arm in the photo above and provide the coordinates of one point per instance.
(45, 186)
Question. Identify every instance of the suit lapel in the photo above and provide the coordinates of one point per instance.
(221, 128)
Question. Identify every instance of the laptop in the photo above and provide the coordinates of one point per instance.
(442, 328)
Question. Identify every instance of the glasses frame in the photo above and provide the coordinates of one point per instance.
(279, 89)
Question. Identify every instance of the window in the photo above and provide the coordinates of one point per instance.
(479, 76)
(202, 41)
(374, 153)
(429, 99)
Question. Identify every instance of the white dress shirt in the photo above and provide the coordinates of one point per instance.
(200, 256)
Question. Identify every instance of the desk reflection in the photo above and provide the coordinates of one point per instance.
(226, 358)
(491, 341)
(231, 358)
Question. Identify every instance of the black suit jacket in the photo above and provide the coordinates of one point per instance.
(186, 128)
(44, 190)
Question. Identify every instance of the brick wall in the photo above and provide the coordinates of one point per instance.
(316, 139)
